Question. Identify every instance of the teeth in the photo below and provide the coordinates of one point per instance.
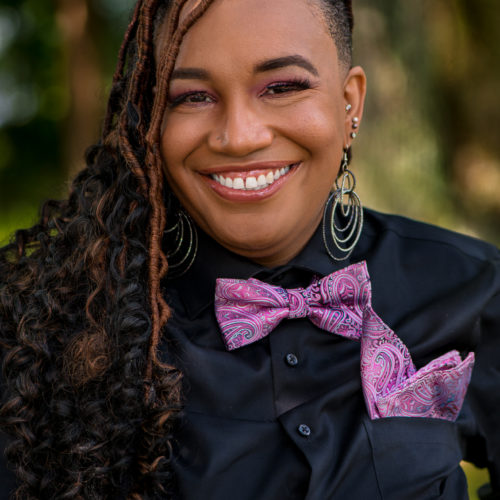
(238, 183)
(251, 183)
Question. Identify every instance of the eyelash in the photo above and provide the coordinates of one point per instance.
(294, 85)
(277, 88)
(182, 99)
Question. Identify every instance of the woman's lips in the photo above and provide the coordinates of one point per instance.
(254, 179)
(250, 185)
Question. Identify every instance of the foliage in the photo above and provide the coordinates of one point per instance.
(427, 148)
(38, 109)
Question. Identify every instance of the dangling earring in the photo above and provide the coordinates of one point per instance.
(346, 219)
(181, 239)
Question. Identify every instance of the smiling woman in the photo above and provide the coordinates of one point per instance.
(212, 314)
(268, 117)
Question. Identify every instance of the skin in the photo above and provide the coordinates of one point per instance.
(230, 116)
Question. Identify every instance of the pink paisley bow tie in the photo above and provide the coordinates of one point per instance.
(340, 303)
(248, 310)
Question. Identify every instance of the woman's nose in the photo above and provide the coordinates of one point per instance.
(241, 131)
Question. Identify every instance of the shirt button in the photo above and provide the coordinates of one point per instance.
(291, 359)
(304, 430)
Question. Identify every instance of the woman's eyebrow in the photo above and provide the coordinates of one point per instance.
(267, 65)
(190, 74)
(282, 62)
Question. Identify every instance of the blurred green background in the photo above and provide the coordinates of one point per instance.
(428, 148)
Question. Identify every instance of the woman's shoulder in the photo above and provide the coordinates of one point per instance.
(427, 238)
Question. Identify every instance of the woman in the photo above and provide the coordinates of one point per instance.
(228, 124)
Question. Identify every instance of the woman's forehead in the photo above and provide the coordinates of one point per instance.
(190, 5)
(230, 25)
(250, 7)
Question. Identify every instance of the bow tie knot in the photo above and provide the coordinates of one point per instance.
(299, 302)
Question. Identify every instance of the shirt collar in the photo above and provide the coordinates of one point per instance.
(197, 287)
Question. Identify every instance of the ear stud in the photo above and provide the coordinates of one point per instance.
(355, 125)
(355, 122)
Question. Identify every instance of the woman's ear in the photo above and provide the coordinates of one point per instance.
(354, 96)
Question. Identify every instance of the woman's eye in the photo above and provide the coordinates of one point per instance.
(285, 87)
(192, 98)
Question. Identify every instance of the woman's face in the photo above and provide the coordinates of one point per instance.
(253, 136)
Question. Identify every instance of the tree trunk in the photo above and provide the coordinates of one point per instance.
(84, 82)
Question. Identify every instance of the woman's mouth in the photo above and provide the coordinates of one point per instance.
(252, 184)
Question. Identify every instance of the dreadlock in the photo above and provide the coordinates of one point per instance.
(88, 404)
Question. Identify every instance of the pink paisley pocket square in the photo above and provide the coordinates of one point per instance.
(394, 388)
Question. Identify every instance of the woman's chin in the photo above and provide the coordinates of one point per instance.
(251, 242)
(269, 245)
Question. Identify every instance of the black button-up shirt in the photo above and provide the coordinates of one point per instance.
(284, 418)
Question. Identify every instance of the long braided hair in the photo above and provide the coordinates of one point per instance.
(88, 404)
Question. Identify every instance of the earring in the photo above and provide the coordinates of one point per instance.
(346, 217)
(181, 241)
(348, 107)
(355, 125)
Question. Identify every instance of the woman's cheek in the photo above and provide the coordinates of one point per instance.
(316, 130)
(177, 146)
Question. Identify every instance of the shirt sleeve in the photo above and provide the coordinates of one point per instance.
(7, 478)
(483, 446)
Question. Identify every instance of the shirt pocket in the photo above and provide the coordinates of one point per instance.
(416, 458)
